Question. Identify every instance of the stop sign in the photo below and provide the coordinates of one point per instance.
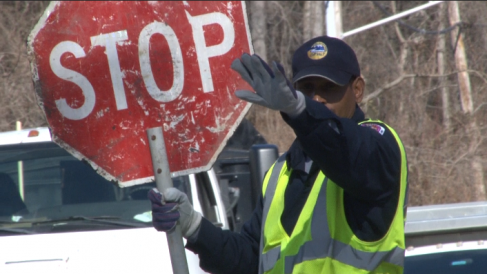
(105, 72)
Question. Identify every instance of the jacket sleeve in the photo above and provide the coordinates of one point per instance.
(224, 251)
(363, 160)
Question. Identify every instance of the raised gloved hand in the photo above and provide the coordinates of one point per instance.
(272, 89)
(174, 205)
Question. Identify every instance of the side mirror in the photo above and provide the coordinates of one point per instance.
(261, 157)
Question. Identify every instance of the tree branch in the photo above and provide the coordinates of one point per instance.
(377, 92)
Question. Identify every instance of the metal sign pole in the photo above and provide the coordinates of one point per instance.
(164, 181)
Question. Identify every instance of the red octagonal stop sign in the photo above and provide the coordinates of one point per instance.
(104, 72)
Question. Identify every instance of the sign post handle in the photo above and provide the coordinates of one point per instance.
(164, 181)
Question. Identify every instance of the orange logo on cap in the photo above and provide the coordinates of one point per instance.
(318, 50)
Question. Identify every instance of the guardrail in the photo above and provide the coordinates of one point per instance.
(446, 223)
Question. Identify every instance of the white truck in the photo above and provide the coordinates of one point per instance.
(57, 215)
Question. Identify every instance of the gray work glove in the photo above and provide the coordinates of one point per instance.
(174, 205)
(272, 89)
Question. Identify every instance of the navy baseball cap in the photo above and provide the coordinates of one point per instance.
(326, 57)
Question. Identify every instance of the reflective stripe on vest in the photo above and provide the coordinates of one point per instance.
(322, 245)
(269, 187)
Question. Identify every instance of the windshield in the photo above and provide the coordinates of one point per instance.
(454, 262)
(43, 189)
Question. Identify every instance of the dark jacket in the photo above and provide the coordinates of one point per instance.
(363, 160)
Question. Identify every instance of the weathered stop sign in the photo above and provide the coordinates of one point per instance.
(104, 72)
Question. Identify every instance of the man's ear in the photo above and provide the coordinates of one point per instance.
(358, 86)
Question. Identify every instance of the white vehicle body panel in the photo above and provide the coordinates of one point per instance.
(136, 250)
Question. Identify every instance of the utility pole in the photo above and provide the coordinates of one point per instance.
(334, 19)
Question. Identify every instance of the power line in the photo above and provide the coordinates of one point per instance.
(427, 32)
(422, 31)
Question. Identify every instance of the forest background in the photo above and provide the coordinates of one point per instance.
(425, 76)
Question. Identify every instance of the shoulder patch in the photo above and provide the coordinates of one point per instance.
(376, 127)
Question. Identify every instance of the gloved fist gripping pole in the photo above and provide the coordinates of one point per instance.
(272, 89)
(174, 205)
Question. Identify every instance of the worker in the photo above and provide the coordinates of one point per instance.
(335, 202)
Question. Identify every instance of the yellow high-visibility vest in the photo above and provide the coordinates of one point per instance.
(322, 241)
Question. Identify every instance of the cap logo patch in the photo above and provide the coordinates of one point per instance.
(318, 50)
(376, 127)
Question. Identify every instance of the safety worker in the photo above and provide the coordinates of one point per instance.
(335, 202)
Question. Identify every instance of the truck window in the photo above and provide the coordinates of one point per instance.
(44, 189)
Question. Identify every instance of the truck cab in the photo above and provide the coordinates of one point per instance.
(57, 215)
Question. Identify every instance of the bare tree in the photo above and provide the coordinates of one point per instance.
(258, 27)
(467, 101)
(441, 68)
(307, 20)
(283, 36)
(411, 68)
(313, 19)
(460, 59)
(17, 99)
